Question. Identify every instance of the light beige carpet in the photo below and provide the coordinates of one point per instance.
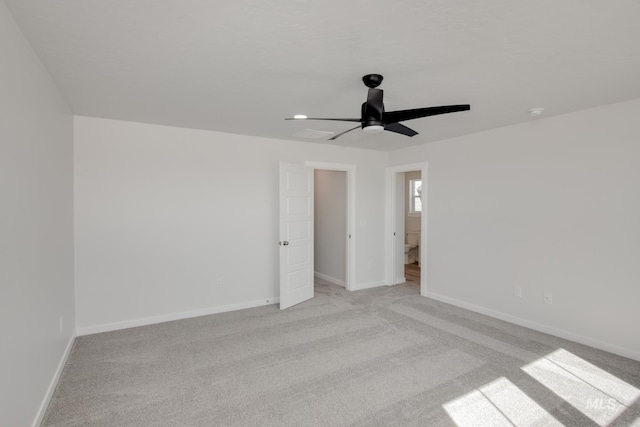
(383, 356)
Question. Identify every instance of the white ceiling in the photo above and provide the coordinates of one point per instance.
(242, 66)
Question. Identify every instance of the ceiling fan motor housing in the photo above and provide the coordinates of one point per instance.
(371, 116)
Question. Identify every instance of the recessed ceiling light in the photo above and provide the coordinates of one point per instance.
(535, 112)
(299, 117)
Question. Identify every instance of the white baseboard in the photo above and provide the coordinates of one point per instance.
(399, 280)
(330, 279)
(540, 327)
(54, 382)
(173, 316)
(361, 286)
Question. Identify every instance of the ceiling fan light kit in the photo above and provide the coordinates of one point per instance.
(372, 129)
(373, 119)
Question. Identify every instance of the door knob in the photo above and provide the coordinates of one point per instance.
(286, 243)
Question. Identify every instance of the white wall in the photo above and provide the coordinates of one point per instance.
(330, 225)
(36, 222)
(551, 205)
(162, 213)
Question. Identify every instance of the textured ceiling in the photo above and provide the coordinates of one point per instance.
(241, 66)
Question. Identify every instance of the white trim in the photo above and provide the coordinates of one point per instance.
(88, 330)
(361, 286)
(350, 169)
(329, 279)
(54, 382)
(392, 174)
(399, 280)
(540, 327)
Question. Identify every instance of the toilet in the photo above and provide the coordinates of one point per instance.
(412, 247)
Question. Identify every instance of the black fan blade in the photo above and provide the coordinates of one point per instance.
(398, 128)
(402, 115)
(335, 120)
(373, 109)
(342, 133)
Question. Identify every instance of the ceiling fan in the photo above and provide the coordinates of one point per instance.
(374, 119)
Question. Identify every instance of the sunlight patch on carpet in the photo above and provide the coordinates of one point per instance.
(596, 393)
(498, 403)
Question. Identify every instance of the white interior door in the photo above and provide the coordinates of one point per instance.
(296, 234)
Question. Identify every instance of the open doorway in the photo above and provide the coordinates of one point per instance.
(406, 252)
(330, 226)
(334, 220)
(410, 223)
(296, 228)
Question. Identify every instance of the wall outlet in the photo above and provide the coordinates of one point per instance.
(517, 291)
(61, 323)
(548, 298)
(219, 282)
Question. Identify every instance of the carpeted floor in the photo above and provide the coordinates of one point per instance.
(377, 357)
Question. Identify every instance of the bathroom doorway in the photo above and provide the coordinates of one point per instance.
(411, 224)
(406, 252)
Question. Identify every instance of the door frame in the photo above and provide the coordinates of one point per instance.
(390, 247)
(350, 238)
